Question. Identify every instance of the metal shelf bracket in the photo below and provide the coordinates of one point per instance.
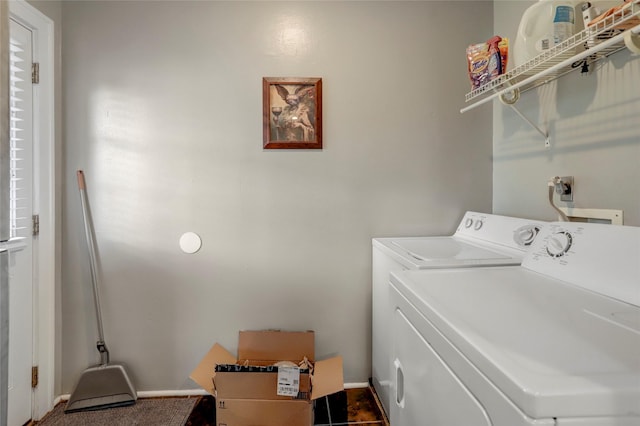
(545, 134)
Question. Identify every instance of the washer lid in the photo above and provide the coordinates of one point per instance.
(446, 252)
(554, 349)
(444, 248)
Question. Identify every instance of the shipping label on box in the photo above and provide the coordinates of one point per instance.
(288, 381)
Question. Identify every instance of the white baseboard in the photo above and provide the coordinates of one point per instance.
(192, 392)
(356, 385)
(166, 393)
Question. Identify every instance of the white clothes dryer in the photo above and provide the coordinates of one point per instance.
(555, 341)
(480, 240)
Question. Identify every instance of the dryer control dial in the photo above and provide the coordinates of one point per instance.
(559, 244)
(468, 223)
(478, 225)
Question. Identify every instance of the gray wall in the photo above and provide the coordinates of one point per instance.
(163, 110)
(595, 136)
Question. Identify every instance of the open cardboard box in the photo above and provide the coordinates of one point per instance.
(249, 396)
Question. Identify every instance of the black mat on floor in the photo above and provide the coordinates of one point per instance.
(337, 404)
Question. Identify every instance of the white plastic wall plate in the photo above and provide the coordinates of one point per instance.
(614, 217)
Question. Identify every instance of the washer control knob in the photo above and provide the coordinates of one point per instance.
(559, 244)
(526, 235)
(468, 223)
(478, 225)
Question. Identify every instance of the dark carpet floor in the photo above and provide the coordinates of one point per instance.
(145, 412)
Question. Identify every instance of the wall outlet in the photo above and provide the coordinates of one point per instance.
(566, 193)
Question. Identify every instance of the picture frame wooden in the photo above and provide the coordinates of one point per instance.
(292, 113)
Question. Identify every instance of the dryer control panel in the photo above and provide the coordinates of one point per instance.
(598, 257)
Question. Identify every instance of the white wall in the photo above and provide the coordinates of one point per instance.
(163, 110)
(595, 136)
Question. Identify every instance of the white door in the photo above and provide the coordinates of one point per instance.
(21, 205)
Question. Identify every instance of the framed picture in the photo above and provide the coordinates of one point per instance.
(292, 113)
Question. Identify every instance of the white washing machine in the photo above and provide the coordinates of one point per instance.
(480, 240)
(555, 341)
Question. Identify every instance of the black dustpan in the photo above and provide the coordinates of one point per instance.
(107, 384)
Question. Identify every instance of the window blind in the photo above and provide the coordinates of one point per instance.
(19, 77)
(4, 126)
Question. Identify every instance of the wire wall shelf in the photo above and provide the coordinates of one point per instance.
(582, 49)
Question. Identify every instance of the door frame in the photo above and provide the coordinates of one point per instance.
(45, 340)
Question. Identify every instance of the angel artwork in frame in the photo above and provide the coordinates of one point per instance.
(292, 113)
